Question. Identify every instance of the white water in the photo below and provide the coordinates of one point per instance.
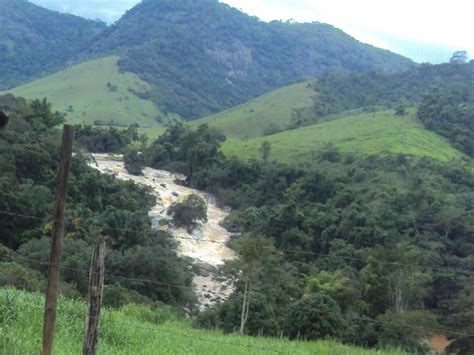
(207, 246)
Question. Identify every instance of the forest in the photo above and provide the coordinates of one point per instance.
(345, 241)
(370, 250)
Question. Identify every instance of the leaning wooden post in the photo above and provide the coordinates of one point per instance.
(3, 120)
(57, 240)
(96, 286)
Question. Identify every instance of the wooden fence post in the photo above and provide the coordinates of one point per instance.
(94, 301)
(3, 120)
(57, 236)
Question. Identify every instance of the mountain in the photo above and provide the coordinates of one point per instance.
(203, 56)
(35, 41)
(199, 57)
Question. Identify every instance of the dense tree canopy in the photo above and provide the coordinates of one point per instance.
(373, 239)
(99, 207)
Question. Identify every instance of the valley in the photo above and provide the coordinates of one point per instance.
(205, 244)
(260, 186)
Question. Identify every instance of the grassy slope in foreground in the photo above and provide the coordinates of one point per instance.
(253, 118)
(130, 331)
(368, 133)
(84, 87)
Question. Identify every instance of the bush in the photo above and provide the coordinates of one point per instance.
(116, 296)
(317, 316)
(407, 330)
(133, 162)
(20, 277)
(153, 315)
(188, 212)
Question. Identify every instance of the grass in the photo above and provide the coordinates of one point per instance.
(253, 118)
(367, 133)
(84, 89)
(135, 330)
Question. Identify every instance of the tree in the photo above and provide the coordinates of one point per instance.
(133, 162)
(190, 211)
(400, 110)
(258, 260)
(314, 317)
(265, 150)
(459, 57)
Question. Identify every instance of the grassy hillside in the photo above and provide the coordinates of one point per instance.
(367, 133)
(84, 92)
(134, 330)
(256, 117)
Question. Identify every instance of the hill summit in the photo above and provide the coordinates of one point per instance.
(204, 56)
(199, 57)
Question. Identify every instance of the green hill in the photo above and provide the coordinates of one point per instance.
(202, 57)
(273, 111)
(35, 41)
(135, 330)
(96, 90)
(367, 133)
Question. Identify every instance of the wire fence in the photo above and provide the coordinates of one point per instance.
(299, 252)
(288, 251)
(350, 316)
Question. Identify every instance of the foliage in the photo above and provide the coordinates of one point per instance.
(404, 330)
(105, 140)
(380, 235)
(451, 114)
(35, 41)
(342, 91)
(99, 207)
(202, 57)
(184, 150)
(133, 161)
(189, 212)
(315, 317)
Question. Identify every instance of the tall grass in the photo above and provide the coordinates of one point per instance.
(134, 330)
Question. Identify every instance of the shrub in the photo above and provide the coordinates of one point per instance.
(188, 212)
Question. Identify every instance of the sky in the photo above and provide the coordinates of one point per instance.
(423, 30)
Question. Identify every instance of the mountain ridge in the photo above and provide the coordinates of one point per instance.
(35, 41)
(199, 57)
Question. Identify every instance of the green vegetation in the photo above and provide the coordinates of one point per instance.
(451, 114)
(35, 41)
(198, 57)
(379, 245)
(366, 134)
(84, 93)
(264, 115)
(133, 162)
(192, 210)
(99, 207)
(339, 92)
(203, 56)
(136, 330)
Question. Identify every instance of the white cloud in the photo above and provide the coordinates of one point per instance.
(441, 25)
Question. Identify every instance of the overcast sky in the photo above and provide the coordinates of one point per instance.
(424, 30)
